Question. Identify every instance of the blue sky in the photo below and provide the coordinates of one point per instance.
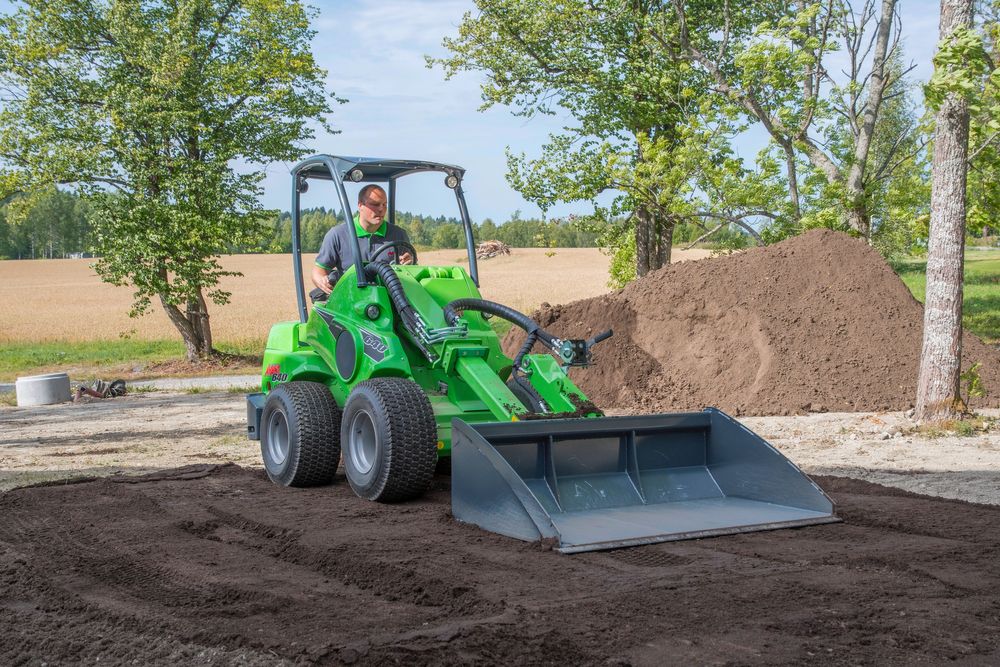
(374, 52)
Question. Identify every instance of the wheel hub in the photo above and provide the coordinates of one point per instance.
(362, 442)
(277, 438)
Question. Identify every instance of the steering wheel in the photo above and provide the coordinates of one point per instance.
(405, 246)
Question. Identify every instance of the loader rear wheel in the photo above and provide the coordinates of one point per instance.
(390, 440)
(300, 434)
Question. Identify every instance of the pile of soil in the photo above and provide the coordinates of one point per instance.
(816, 323)
(216, 565)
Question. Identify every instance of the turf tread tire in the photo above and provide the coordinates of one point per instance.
(404, 419)
(313, 420)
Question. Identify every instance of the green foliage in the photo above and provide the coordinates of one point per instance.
(972, 383)
(57, 223)
(968, 65)
(654, 96)
(48, 223)
(145, 106)
(501, 326)
(898, 198)
(845, 133)
(966, 429)
(448, 236)
(637, 121)
(960, 66)
(981, 298)
(622, 268)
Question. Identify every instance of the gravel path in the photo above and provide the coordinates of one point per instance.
(213, 383)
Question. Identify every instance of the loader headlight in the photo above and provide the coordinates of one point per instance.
(451, 181)
(356, 175)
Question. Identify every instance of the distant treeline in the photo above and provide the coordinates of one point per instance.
(434, 232)
(57, 224)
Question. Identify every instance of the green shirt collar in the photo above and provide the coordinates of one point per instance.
(363, 233)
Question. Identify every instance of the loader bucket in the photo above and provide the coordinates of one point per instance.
(610, 482)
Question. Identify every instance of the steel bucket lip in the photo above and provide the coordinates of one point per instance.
(693, 535)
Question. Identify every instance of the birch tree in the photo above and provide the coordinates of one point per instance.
(779, 74)
(954, 81)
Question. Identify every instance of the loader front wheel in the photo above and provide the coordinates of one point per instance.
(390, 440)
(300, 434)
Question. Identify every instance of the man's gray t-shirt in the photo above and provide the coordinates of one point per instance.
(337, 249)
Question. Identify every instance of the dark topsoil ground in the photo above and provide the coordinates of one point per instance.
(225, 568)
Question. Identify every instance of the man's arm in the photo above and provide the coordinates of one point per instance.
(327, 260)
(319, 278)
(405, 258)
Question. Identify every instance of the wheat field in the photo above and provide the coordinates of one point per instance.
(64, 300)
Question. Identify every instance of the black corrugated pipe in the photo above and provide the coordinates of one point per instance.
(501, 311)
(516, 375)
(398, 297)
(529, 343)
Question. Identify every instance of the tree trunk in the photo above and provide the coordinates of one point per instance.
(654, 239)
(194, 328)
(198, 316)
(793, 181)
(938, 388)
(664, 242)
(859, 220)
(643, 241)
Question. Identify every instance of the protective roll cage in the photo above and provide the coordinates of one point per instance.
(341, 169)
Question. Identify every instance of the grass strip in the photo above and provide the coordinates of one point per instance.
(89, 358)
(981, 298)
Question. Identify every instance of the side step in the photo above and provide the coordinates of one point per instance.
(612, 482)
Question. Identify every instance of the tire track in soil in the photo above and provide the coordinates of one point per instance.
(228, 569)
(110, 582)
(42, 617)
(354, 567)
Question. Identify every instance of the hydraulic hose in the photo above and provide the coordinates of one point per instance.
(409, 316)
(517, 376)
(503, 312)
(534, 330)
(529, 343)
(395, 288)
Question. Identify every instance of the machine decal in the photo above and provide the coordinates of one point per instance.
(335, 327)
(274, 373)
(375, 347)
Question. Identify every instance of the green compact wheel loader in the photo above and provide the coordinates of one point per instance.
(400, 367)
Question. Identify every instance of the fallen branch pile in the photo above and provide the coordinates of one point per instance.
(488, 249)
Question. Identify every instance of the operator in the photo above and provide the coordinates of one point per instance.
(337, 251)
